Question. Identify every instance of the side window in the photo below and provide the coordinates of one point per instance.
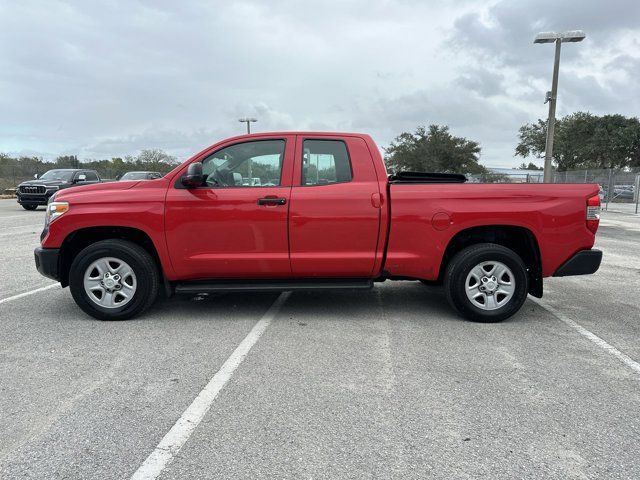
(325, 162)
(249, 164)
(91, 176)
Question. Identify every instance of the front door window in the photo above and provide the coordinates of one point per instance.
(249, 164)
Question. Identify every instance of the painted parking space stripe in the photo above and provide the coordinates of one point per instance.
(30, 292)
(18, 216)
(624, 358)
(175, 439)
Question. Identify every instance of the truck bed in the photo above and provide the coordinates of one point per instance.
(425, 217)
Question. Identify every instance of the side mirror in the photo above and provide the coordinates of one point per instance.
(118, 177)
(193, 178)
(80, 178)
(35, 176)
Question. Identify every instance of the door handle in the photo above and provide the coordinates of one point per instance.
(272, 201)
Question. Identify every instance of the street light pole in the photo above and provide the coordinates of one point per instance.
(557, 38)
(551, 121)
(248, 121)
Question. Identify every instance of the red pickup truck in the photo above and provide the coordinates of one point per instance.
(308, 210)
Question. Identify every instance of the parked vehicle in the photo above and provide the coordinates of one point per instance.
(334, 220)
(33, 193)
(140, 176)
(623, 192)
(251, 182)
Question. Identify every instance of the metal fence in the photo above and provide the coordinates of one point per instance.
(505, 178)
(619, 189)
(11, 176)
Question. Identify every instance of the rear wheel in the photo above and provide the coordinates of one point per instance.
(29, 207)
(486, 282)
(114, 280)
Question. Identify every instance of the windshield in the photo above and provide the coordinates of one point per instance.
(134, 176)
(63, 175)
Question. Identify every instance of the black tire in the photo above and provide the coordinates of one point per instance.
(461, 265)
(143, 265)
(29, 207)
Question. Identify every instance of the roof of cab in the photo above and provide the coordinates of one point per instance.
(299, 132)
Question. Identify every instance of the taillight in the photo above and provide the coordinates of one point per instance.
(593, 213)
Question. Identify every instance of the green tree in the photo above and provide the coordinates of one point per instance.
(15, 170)
(67, 161)
(154, 156)
(583, 140)
(154, 159)
(530, 166)
(433, 149)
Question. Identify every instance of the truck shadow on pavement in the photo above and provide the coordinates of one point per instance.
(411, 301)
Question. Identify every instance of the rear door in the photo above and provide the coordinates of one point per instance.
(334, 216)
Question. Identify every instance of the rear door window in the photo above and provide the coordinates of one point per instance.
(325, 162)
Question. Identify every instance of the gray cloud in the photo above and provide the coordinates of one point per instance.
(506, 30)
(596, 75)
(109, 78)
(484, 82)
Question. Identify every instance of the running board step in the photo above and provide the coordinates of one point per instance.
(271, 285)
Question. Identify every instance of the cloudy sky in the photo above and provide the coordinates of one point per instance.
(102, 79)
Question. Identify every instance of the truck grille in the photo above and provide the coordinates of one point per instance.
(33, 189)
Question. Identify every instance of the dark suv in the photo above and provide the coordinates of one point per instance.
(37, 192)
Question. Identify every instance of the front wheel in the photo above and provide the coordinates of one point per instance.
(29, 207)
(486, 282)
(114, 280)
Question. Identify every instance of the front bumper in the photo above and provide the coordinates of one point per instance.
(584, 262)
(35, 199)
(47, 262)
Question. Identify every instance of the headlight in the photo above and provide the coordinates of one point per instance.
(55, 210)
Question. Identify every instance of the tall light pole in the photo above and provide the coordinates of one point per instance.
(248, 121)
(558, 38)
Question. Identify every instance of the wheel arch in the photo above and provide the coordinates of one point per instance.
(79, 239)
(519, 239)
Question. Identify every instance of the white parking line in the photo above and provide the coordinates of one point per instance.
(631, 225)
(628, 361)
(17, 216)
(30, 292)
(175, 439)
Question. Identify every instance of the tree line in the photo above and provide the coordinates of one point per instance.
(586, 141)
(155, 160)
(582, 141)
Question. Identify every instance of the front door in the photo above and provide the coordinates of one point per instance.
(235, 225)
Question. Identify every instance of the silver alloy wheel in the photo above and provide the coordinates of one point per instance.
(110, 282)
(490, 285)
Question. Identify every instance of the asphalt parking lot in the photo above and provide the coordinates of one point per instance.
(386, 383)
